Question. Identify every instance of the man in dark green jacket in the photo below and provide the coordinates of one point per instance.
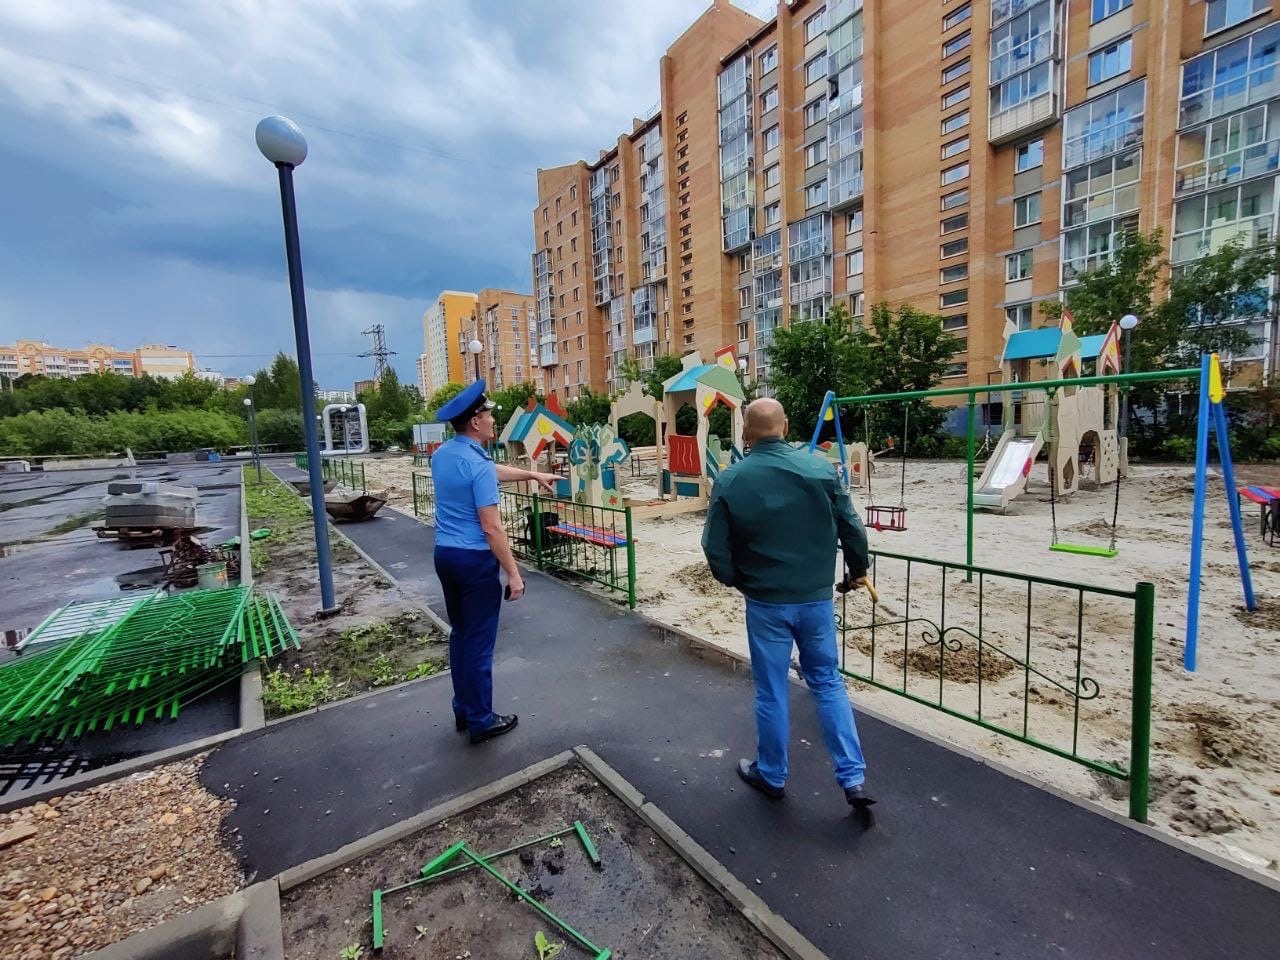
(771, 532)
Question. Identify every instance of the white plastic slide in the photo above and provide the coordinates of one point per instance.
(1005, 475)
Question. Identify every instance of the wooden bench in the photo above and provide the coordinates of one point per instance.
(598, 536)
(1268, 501)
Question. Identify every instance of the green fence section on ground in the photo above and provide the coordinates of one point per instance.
(934, 640)
(342, 470)
(593, 543)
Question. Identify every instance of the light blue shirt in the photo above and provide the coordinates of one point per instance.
(466, 479)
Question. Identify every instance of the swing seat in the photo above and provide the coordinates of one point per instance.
(887, 518)
(1085, 549)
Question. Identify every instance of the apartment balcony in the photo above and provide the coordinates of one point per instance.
(844, 192)
(1034, 114)
(842, 10)
(1235, 167)
(642, 335)
(547, 355)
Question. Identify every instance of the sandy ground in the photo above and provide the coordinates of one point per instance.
(1216, 732)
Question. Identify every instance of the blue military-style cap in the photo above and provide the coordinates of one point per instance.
(466, 404)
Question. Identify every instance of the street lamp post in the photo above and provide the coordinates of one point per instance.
(253, 424)
(1127, 323)
(346, 430)
(475, 346)
(282, 143)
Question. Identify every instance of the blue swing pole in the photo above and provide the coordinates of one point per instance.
(822, 413)
(1229, 480)
(1197, 520)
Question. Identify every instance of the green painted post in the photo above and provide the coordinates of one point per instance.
(1144, 625)
(631, 563)
(968, 535)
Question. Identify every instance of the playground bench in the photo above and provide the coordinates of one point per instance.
(598, 536)
(1268, 501)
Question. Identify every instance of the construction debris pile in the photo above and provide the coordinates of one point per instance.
(141, 663)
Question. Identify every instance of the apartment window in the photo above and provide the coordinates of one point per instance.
(954, 174)
(1019, 314)
(953, 248)
(853, 263)
(956, 44)
(1204, 223)
(562, 299)
(580, 345)
(954, 298)
(1017, 266)
(1030, 155)
(953, 123)
(772, 176)
(815, 69)
(955, 147)
(1102, 189)
(686, 277)
(815, 194)
(545, 214)
(1105, 8)
(958, 222)
(814, 111)
(853, 221)
(958, 95)
(956, 370)
(815, 152)
(1106, 124)
(769, 60)
(559, 254)
(769, 100)
(957, 198)
(744, 297)
(1220, 14)
(575, 268)
(559, 228)
(573, 245)
(954, 274)
(744, 261)
(956, 70)
(1026, 210)
(1111, 61)
(957, 321)
(683, 118)
(771, 138)
(956, 17)
(573, 193)
(546, 238)
(815, 25)
(577, 294)
(773, 215)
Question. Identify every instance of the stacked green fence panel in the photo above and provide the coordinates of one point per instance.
(164, 653)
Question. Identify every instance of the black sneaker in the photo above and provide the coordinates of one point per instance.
(750, 775)
(499, 726)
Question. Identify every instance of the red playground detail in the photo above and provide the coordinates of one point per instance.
(596, 535)
(887, 518)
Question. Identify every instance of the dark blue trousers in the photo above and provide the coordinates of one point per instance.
(473, 599)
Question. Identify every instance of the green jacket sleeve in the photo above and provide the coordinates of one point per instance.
(853, 536)
(717, 538)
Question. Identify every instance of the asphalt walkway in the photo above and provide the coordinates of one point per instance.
(964, 861)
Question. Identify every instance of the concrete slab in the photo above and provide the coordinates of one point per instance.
(964, 860)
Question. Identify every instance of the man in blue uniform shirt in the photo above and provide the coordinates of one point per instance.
(471, 547)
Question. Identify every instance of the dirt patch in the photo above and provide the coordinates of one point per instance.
(107, 862)
(958, 665)
(642, 902)
(377, 637)
(1266, 617)
(697, 578)
(1221, 737)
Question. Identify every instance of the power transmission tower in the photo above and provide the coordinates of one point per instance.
(379, 352)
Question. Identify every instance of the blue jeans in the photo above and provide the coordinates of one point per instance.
(473, 599)
(772, 628)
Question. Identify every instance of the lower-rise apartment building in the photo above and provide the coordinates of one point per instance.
(39, 358)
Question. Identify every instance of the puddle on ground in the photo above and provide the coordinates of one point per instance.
(141, 579)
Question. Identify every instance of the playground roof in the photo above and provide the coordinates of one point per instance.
(709, 374)
(1033, 344)
(1091, 346)
(530, 417)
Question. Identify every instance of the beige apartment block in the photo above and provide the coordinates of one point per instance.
(39, 358)
(505, 325)
(441, 360)
(967, 157)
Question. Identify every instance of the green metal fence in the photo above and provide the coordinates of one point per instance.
(593, 543)
(349, 473)
(937, 638)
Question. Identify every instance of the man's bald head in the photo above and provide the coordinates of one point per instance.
(765, 419)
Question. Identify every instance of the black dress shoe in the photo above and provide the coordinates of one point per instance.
(750, 775)
(459, 722)
(861, 805)
(499, 726)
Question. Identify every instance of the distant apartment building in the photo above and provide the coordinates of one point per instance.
(39, 358)
(363, 386)
(969, 157)
(440, 326)
(505, 325)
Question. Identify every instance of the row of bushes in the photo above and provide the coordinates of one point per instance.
(57, 432)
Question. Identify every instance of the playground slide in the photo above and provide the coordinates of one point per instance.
(1005, 475)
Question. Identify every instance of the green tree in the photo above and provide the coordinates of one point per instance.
(589, 408)
(664, 368)
(510, 399)
(809, 358)
(441, 397)
(282, 428)
(279, 387)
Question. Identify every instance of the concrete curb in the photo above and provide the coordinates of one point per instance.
(211, 931)
(779, 932)
(296, 876)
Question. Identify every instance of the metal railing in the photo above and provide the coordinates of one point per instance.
(584, 541)
(939, 641)
(348, 473)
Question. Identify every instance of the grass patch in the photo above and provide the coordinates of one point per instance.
(276, 506)
(340, 665)
(71, 524)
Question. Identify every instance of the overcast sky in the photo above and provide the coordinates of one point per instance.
(134, 206)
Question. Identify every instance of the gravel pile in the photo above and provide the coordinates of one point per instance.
(91, 868)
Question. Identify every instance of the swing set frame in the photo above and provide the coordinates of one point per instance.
(1212, 393)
